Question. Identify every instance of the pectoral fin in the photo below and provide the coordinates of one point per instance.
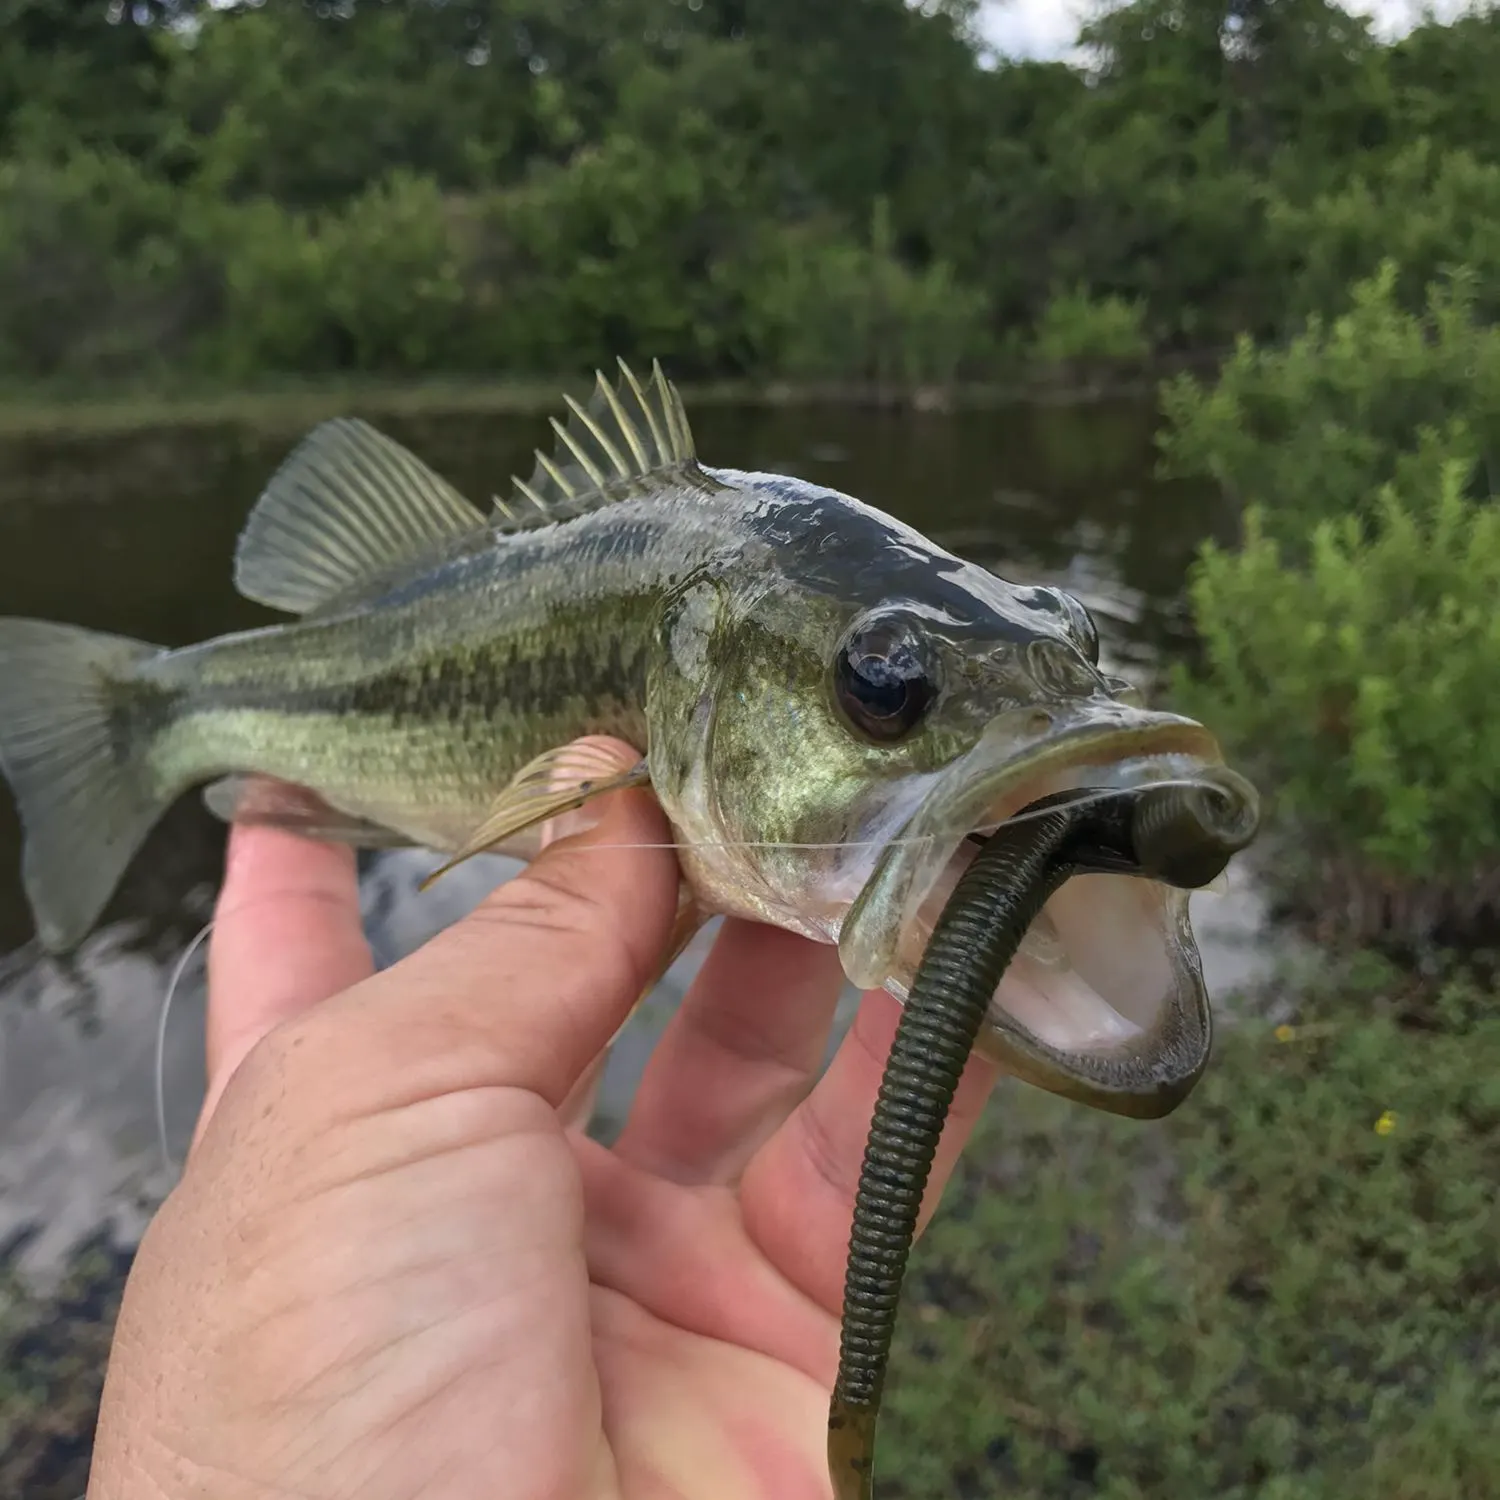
(552, 784)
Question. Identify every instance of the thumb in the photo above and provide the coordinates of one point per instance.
(530, 987)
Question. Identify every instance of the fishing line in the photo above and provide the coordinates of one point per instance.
(1103, 794)
(161, 1045)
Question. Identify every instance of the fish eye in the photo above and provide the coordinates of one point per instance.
(884, 679)
(1081, 625)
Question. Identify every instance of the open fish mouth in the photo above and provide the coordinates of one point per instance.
(1105, 1001)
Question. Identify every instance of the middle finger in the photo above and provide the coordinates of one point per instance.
(737, 1057)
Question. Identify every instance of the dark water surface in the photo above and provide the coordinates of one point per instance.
(135, 535)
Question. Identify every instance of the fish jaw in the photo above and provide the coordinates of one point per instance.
(1105, 1003)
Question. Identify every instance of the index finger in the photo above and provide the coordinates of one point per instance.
(531, 986)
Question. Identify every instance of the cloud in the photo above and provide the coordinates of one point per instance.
(1047, 28)
(1030, 28)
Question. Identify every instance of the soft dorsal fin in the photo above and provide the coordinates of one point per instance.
(622, 444)
(348, 506)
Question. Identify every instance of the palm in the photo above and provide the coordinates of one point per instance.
(713, 1367)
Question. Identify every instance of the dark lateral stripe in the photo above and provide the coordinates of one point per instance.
(460, 684)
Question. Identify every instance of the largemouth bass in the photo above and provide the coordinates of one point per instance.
(827, 705)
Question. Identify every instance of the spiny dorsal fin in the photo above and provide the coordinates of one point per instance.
(347, 507)
(623, 443)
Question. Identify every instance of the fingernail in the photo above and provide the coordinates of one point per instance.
(569, 824)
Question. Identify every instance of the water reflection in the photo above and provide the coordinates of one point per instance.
(135, 535)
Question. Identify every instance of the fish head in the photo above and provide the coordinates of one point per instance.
(836, 714)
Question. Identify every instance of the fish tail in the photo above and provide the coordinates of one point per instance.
(75, 741)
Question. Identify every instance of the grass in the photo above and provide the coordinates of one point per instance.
(52, 1356)
(1289, 1288)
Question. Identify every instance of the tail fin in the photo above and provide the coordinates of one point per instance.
(78, 768)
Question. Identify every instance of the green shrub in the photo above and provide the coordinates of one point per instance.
(375, 286)
(1360, 684)
(824, 307)
(1285, 1291)
(396, 288)
(1313, 430)
(623, 251)
(1076, 327)
(93, 277)
(274, 274)
(1427, 210)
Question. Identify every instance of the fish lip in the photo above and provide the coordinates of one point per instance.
(1145, 1076)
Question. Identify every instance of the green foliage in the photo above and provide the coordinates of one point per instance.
(71, 76)
(1075, 327)
(375, 286)
(1363, 675)
(1303, 74)
(1433, 72)
(264, 103)
(1314, 429)
(698, 182)
(1427, 211)
(1287, 1289)
(1348, 644)
(825, 307)
(652, 222)
(93, 272)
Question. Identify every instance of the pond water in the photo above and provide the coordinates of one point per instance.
(134, 534)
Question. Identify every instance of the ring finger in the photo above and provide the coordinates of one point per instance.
(798, 1193)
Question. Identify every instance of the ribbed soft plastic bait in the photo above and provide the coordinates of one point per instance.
(1183, 836)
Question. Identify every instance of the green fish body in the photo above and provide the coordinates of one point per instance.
(826, 704)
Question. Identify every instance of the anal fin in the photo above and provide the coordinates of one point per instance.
(265, 802)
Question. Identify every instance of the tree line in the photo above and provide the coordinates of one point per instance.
(752, 188)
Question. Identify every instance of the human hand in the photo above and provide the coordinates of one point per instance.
(392, 1270)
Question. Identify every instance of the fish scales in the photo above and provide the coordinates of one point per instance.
(419, 707)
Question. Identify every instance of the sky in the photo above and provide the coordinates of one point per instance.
(1046, 28)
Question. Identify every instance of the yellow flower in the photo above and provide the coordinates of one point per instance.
(1386, 1123)
(1285, 1033)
